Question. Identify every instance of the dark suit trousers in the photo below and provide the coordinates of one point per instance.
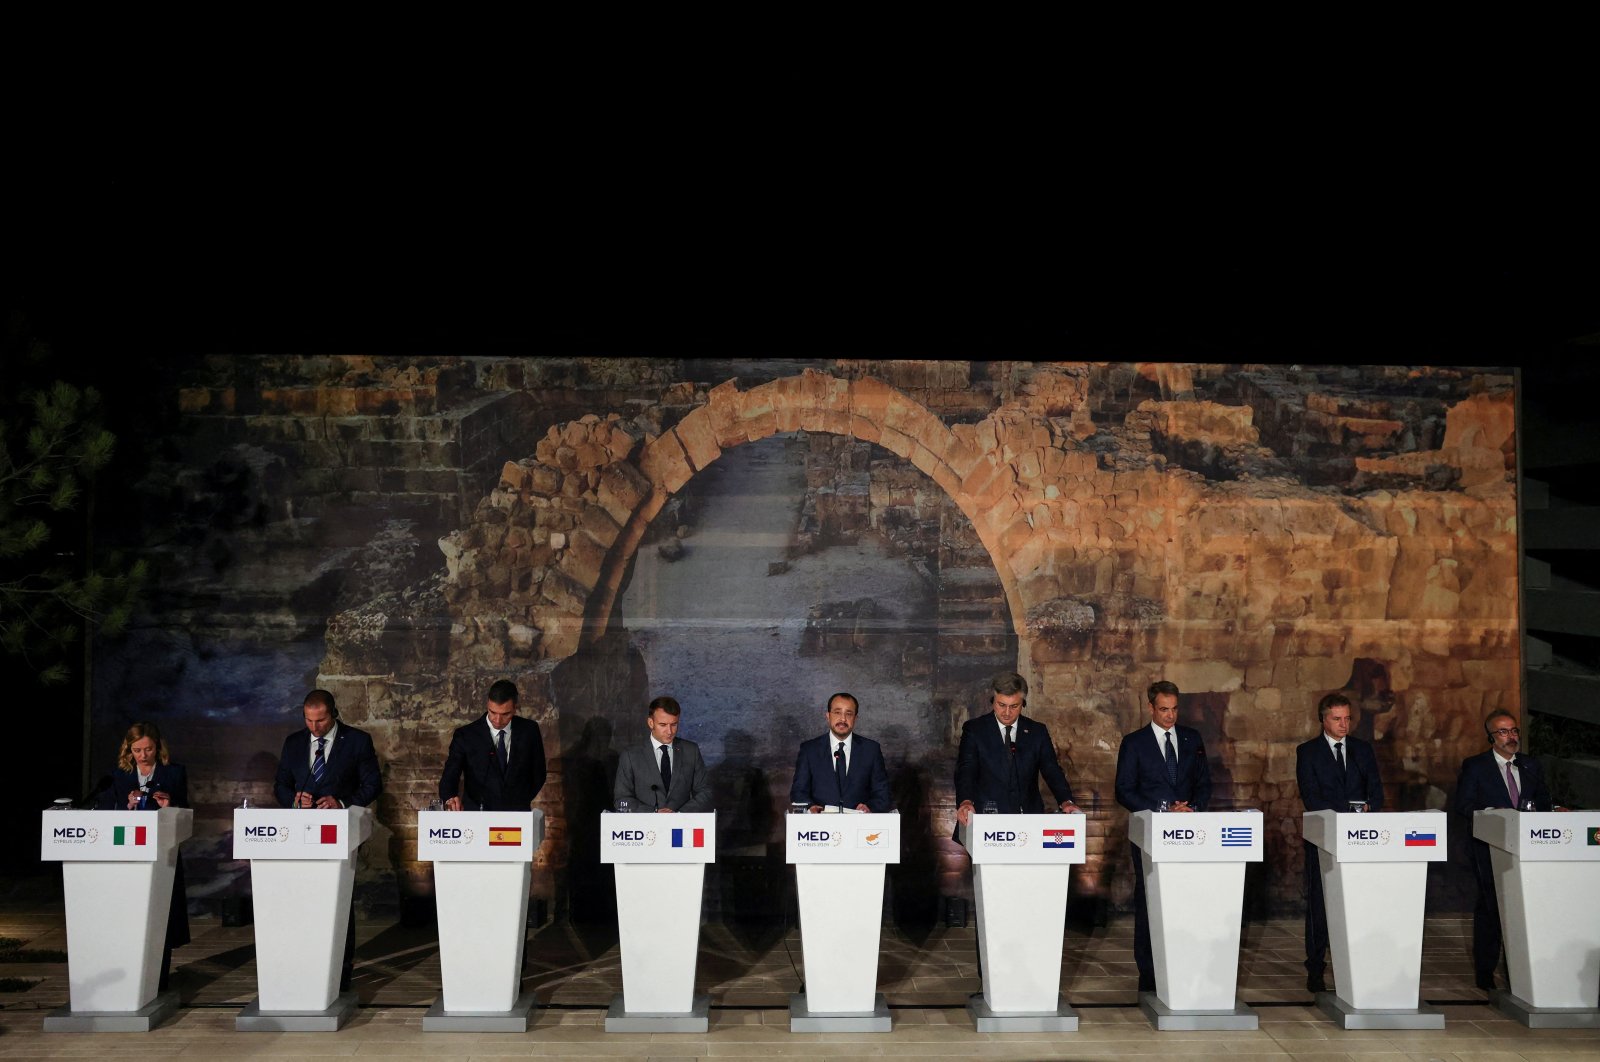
(1316, 912)
(1485, 918)
(347, 967)
(1142, 955)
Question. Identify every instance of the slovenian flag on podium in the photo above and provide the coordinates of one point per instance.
(1418, 839)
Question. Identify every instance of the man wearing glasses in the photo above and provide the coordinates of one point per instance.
(1502, 777)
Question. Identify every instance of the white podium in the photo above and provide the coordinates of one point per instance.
(1374, 886)
(302, 874)
(1020, 869)
(482, 865)
(116, 874)
(1194, 890)
(1547, 878)
(836, 856)
(660, 862)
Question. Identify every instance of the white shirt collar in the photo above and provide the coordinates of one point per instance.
(1332, 741)
(493, 733)
(1161, 735)
(1503, 761)
(833, 743)
(656, 746)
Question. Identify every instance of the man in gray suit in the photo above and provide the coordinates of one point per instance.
(667, 774)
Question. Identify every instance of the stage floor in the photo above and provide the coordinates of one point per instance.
(749, 974)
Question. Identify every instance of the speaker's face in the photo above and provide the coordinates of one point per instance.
(663, 725)
(144, 754)
(1007, 706)
(1336, 722)
(1505, 735)
(841, 717)
(318, 720)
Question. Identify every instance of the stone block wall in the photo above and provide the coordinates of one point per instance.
(1259, 535)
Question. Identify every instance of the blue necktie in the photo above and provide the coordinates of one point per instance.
(500, 749)
(318, 765)
(1172, 761)
(666, 770)
(839, 770)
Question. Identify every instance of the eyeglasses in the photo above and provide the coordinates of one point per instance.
(1503, 731)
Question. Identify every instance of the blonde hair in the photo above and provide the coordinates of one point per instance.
(135, 732)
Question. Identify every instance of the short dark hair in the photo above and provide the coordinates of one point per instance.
(1332, 700)
(1498, 713)
(1006, 683)
(503, 691)
(847, 696)
(666, 704)
(321, 699)
(1162, 688)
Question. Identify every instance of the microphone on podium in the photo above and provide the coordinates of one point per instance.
(655, 796)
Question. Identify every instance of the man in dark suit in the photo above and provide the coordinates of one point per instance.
(1336, 772)
(329, 764)
(1501, 777)
(667, 774)
(841, 768)
(1156, 764)
(501, 755)
(1003, 756)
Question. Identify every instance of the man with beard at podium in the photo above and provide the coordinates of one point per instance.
(329, 765)
(1502, 776)
(841, 768)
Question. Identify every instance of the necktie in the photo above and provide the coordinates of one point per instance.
(1011, 746)
(666, 770)
(839, 770)
(1338, 754)
(1511, 787)
(500, 749)
(318, 764)
(1172, 761)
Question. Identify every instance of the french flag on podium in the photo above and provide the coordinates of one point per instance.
(698, 840)
(1418, 839)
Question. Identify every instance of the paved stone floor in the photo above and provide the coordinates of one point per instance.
(749, 975)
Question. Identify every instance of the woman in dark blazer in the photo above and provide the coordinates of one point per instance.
(145, 779)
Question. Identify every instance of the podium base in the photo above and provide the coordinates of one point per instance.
(804, 1020)
(1165, 1019)
(437, 1019)
(1348, 1017)
(696, 1020)
(987, 1019)
(253, 1019)
(158, 1010)
(1544, 1017)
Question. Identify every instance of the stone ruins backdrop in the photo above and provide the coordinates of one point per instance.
(404, 531)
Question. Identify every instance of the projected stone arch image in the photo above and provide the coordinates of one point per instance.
(1258, 536)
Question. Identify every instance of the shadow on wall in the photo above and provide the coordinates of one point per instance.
(587, 768)
(911, 884)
